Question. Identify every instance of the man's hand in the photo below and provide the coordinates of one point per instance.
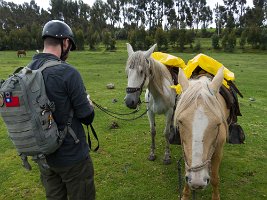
(88, 97)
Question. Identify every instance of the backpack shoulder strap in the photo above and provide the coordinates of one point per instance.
(49, 63)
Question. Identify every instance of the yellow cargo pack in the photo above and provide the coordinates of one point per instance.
(203, 61)
(208, 64)
(168, 59)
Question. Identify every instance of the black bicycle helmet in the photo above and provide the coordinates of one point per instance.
(58, 29)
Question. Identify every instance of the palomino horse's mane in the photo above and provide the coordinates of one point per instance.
(199, 89)
(153, 70)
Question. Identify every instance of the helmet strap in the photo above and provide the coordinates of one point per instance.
(64, 54)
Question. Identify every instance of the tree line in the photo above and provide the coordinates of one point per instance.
(170, 23)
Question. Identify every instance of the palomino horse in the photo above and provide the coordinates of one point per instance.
(145, 72)
(201, 115)
(21, 52)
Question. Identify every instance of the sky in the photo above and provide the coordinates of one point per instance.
(45, 3)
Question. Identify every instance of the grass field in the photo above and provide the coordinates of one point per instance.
(122, 171)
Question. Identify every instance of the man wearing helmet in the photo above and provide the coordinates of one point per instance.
(70, 174)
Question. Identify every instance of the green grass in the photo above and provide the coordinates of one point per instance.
(122, 171)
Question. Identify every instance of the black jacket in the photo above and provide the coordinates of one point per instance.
(64, 86)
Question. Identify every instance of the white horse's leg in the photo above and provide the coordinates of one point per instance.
(151, 117)
(167, 156)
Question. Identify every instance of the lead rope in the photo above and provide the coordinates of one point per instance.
(112, 114)
(180, 181)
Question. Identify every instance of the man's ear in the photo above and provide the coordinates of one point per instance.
(66, 43)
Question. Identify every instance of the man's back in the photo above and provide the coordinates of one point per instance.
(64, 86)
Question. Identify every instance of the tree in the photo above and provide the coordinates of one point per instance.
(92, 38)
(182, 39)
(98, 15)
(220, 18)
(200, 12)
(255, 16)
(263, 42)
(243, 39)
(137, 38)
(113, 13)
(108, 40)
(151, 14)
(173, 37)
(206, 17)
(229, 40)
(215, 41)
(181, 5)
(79, 39)
(254, 36)
(161, 39)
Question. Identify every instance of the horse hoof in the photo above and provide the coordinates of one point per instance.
(151, 157)
(167, 161)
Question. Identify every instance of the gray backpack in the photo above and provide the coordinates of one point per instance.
(27, 113)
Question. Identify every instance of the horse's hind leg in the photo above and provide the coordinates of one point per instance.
(151, 117)
(167, 155)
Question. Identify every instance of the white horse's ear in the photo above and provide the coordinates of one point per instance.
(150, 51)
(129, 49)
(182, 80)
(216, 83)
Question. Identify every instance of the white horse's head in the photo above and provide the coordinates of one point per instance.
(137, 70)
(201, 121)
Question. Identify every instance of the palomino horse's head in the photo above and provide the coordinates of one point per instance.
(137, 70)
(200, 116)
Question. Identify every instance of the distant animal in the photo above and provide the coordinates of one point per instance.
(144, 72)
(37, 51)
(201, 116)
(21, 52)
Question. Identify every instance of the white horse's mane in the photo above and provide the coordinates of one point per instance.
(153, 69)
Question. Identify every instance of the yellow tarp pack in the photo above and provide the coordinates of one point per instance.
(203, 61)
(168, 59)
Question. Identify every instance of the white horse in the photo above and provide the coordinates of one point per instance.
(145, 72)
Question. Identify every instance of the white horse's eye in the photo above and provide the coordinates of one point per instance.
(141, 72)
